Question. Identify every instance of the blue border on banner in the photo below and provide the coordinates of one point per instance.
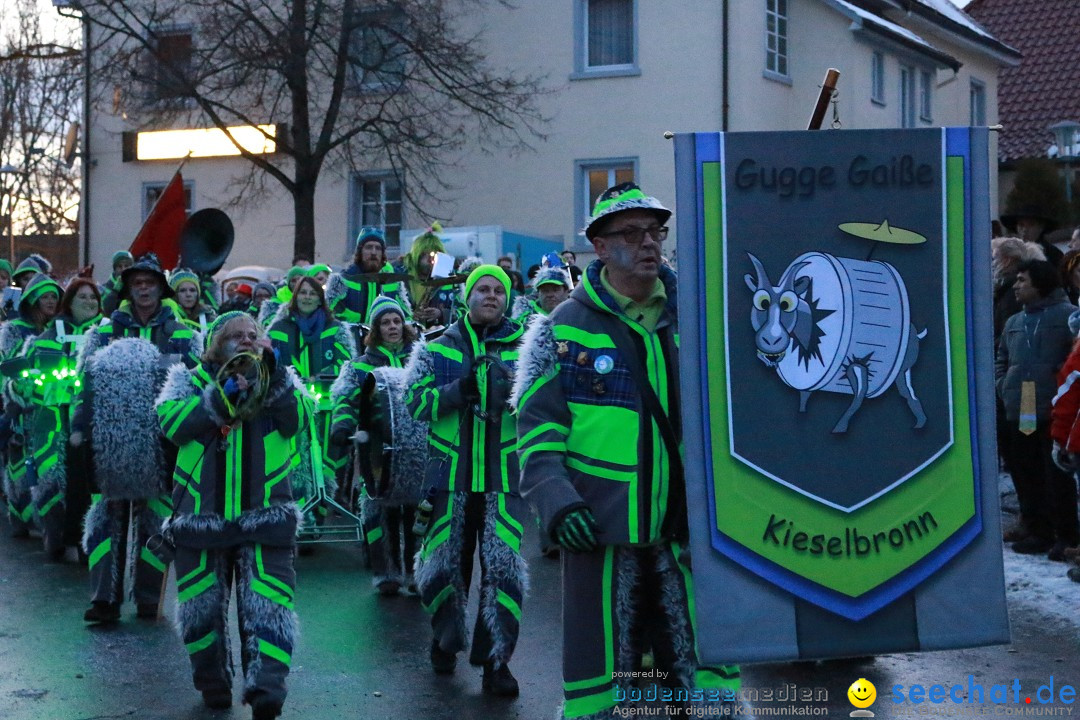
(956, 143)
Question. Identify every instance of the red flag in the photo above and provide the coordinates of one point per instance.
(160, 233)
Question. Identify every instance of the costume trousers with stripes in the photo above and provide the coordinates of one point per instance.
(110, 524)
(265, 583)
(618, 603)
(461, 523)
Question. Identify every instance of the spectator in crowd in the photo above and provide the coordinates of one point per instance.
(1033, 347)
(1032, 224)
(570, 261)
(193, 311)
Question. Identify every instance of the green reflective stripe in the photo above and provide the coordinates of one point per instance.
(589, 705)
(99, 552)
(150, 559)
(196, 572)
(450, 453)
(447, 352)
(268, 488)
(583, 337)
(161, 506)
(271, 594)
(268, 578)
(537, 384)
(202, 643)
(512, 541)
(606, 591)
(183, 411)
(443, 519)
(627, 476)
(27, 513)
(197, 589)
(507, 517)
(374, 536)
(44, 509)
(439, 599)
(273, 651)
(279, 335)
(543, 428)
(182, 335)
(509, 603)
(435, 541)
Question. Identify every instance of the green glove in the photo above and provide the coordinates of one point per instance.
(577, 531)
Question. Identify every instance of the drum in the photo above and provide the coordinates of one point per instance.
(393, 455)
(871, 321)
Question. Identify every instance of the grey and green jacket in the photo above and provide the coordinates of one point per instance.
(318, 362)
(346, 390)
(585, 440)
(232, 482)
(466, 452)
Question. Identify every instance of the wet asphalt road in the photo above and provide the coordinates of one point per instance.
(364, 656)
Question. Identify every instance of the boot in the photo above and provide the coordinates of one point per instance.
(218, 699)
(102, 612)
(499, 681)
(442, 662)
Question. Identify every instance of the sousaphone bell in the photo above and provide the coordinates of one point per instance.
(205, 241)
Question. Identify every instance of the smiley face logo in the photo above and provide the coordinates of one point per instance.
(862, 693)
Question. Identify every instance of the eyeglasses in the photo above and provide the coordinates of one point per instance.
(635, 234)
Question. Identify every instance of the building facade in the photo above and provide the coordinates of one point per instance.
(622, 73)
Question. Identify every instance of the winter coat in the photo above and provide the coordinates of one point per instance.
(585, 440)
(467, 452)
(1065, 414)
(318, 363)
(345, 392)
(203, 316)
(350, 299)
(1038, 360)
(232, 482)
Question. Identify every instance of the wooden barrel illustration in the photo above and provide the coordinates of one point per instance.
(870, 323)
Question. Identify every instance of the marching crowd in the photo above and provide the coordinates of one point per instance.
(150, 423)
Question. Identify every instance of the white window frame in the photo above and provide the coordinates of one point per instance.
(877, 78)
(582, 168)
(356, 207)
(926, 96)
(148, 205)
(582, 69)
(977, 103)
(777, 62)
(908, 95)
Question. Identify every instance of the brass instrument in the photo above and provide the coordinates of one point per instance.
(205, 241)
(253, 368)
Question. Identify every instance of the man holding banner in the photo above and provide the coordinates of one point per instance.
(600, 449)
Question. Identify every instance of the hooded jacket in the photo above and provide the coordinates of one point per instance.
(350, 299)
(232, 479)
(345, 392)
(584, 438)
(320, 360)
(467, 452)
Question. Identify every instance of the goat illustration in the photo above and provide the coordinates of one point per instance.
(853, 337)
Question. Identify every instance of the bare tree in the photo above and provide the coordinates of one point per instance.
(357, 83)
(40, 99)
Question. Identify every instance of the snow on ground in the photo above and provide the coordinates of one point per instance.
(1033, 582)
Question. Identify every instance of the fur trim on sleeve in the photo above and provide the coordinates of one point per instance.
(522, 306)
(282, 313)
(335, 289)
(94, 342)
(421, 364)
(179, 384)
(290, 383)
(345, 337)
(536, 358)
(348, 380)
(9, 339)
(267, 311)
(198, 344)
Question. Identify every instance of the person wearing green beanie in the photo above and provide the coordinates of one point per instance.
(38, 305)
(459, 384)
(110, 289)
(583, 408)
(193, 312)
(320, 272)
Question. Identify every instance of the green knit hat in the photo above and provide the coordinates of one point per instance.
(494, 271)
(294, 271)
(5, 266)
(121, 255)
(220, 322)
(316, 269)
(39, 285)
(182, 276)
(380, 307)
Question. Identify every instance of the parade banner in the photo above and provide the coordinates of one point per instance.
(838, 391)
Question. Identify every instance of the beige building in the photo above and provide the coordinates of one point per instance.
(623, 73)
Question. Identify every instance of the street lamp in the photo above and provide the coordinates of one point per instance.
(8, 169)
(1065, 133)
